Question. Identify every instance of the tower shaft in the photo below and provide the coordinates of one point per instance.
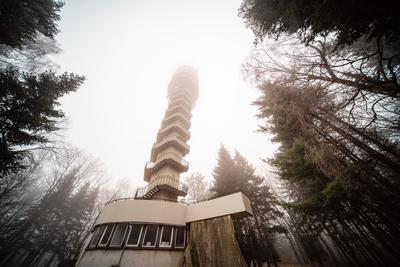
(166, 160)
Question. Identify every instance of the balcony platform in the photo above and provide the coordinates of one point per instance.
(163, 182)
(175, 127)
(168, 141)
(166, 159)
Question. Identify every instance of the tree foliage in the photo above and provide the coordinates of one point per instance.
(29, 112)
(330, 97)
(198, 187)
(255, 235)
(21, 21)
(349, 21)
(30, 90)
(225, 179)
(48, 208)
(339, 165)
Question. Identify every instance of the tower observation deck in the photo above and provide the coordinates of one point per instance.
(166, 160)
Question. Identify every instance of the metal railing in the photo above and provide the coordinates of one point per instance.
(185, 93)
(152, 167)
(168, 180)
(178, 108)
(172, 137)
(160, 145)
(176, 117)
(180, 101)
(167, 128)
(140, 192)
(171, 155)
(174, 124)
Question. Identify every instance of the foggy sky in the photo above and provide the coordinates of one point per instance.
(128, 51)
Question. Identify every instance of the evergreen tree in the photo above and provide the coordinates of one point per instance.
(28, 112)
(341, 183)
(29, 90)
(347, 21)
(225, 177)
(256, 234)
(53, 228)
(21, 21)
(77, 219)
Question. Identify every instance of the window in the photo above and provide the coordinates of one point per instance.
(96, 236)
(134, 236)
(180, 237)
(166, 236)
(150, 236)
(119, 234)
(106, 235)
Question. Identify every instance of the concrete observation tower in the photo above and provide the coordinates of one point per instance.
(153, 229)
(167, 153)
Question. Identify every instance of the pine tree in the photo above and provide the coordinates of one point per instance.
(255, 235)
(339, 182)
(225, 177)
(313, 19)
(22, 21)
(56, 224)
(28, 112)
(29, 94)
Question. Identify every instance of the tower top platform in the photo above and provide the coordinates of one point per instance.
(185, 79)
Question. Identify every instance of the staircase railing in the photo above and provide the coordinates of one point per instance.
(172, 155)
(167, 180)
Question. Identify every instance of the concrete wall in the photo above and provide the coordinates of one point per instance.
(150, 211)
(130, 258)
(247, 204)
(164, 212)
(237, 204)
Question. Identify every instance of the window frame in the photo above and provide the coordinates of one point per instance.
(129, 234)
(115, 231)
(145, 233)
(171, 238)
(111, 234)
(96, 231)
(184, 237)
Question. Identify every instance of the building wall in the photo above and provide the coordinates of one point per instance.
(210, 224)
(130, 258)
(237, 204)
(154, 211)
(166, 212)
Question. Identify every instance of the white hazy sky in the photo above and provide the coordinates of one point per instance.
(128, 51)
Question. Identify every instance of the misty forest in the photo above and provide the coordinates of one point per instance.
(327, 76)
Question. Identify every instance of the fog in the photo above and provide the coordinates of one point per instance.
(128, 51)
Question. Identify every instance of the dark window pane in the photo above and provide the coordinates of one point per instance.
(106, 235)
(134, 237)
(96, 236)
(119, 235)
(150, 236)
(180, 237)
(166, 237)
